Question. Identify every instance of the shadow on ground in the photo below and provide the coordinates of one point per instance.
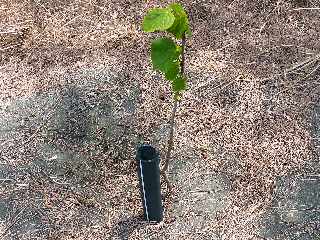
(58, 151)
(295, 211)
(124, 229)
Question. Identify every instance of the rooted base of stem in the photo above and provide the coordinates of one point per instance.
(169, 186)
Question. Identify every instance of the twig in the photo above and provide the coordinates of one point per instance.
(14, 220)
(72, 20)
(312, 72)
(6, 179)
(220, 87)
(303, 64)
(298, 9)
(6, 48)
(9, 32)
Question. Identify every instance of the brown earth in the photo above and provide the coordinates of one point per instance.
(78, 94)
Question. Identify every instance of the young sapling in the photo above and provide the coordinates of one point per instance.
(168, 58)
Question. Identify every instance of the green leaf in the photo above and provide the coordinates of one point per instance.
(179, 84)
(158, 19)
(181, 23)
(172, 70)
(165, 55)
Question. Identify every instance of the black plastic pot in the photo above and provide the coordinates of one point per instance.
(148, 161)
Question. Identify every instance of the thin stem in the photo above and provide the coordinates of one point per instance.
(171, 133)
(172, 119)
(165, 177)
(183, 45)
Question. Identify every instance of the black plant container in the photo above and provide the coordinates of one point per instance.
(148, 161)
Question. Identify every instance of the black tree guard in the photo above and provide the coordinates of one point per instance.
(148, 161)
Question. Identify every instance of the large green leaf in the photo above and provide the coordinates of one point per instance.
(158, 19)
(165, 55)
(181, 23)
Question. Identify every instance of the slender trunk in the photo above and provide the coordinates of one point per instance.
(172, 121)
(171, 133)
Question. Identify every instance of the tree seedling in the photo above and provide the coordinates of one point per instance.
(167, 57)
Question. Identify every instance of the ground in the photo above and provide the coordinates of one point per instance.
(78, 95)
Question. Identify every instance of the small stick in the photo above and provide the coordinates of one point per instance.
(298, 9)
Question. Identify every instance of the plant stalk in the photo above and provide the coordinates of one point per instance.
(172, 121)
